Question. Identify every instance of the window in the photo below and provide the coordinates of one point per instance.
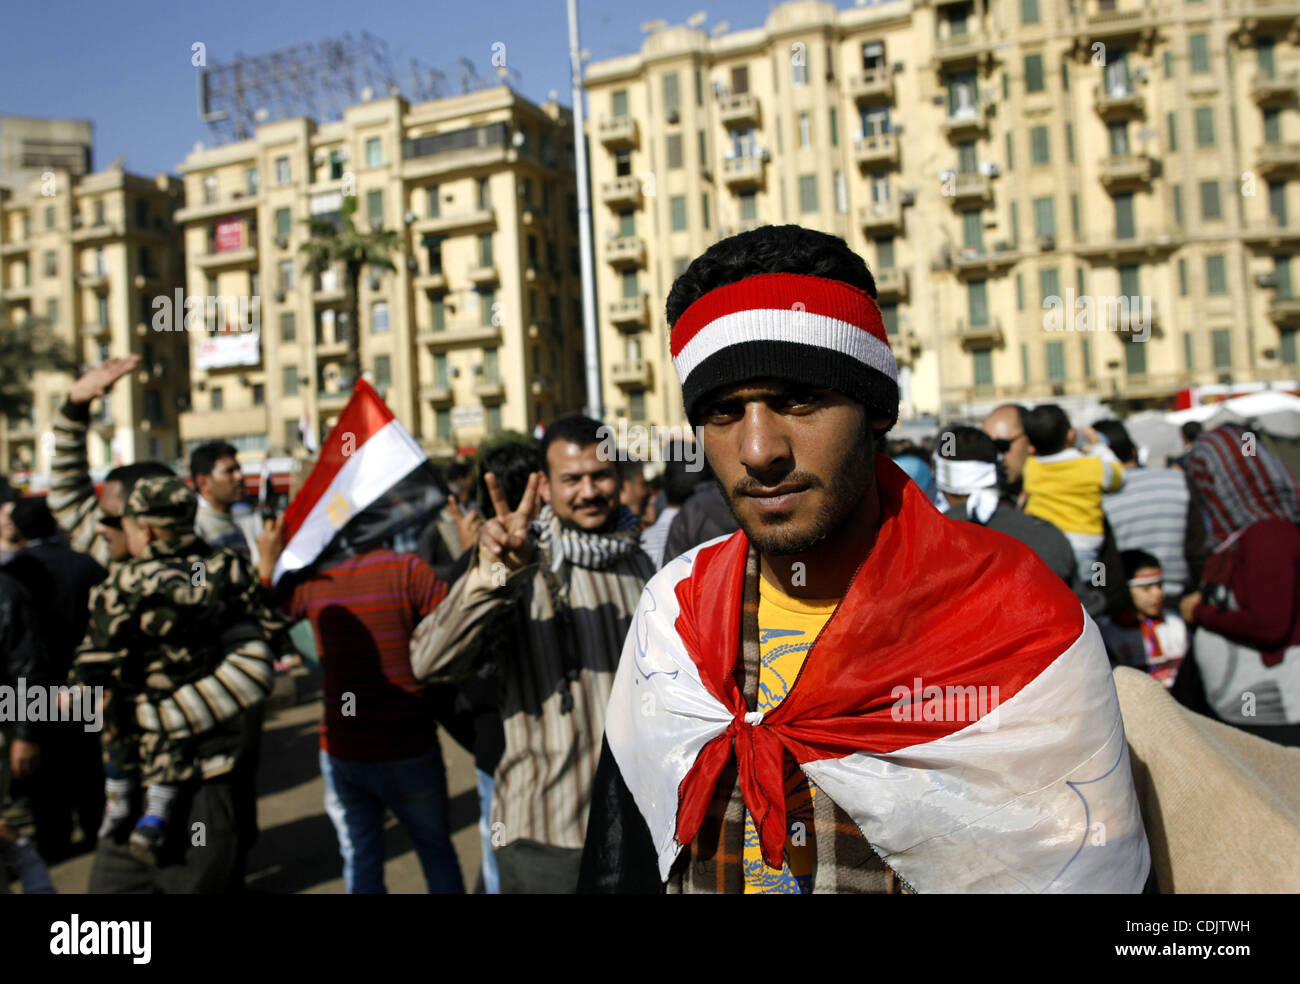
(494, 418)
(1272, 125)
(250, 183)
(835, 127)
(485, 249)
(704, 209)
(282, 172)
(1056, 362)
(1204, 126)
(889, 317)
(672, 94)
(704, 150)
(374, 152)
(1124, 228)
(379, 317)
(1020, 292)
(799, 66)
(1117, 133)
(288, 329)
(49, 216)
(1288, 352)
(51, 263)
(1015, 224)
(699, 88)
(677, 213)
(440, 378)
(967, 162)
(1029, 11)
(982, 364)
(52, 311)
(748, 206)
(1216, 274)
(963, 94)
(808, 193)
(1065, 75)
(1265, 59)
(1049, 283)
(680, 263)
(1189, 350)
(631, 284)
(885, 253)
(618, 103)
(259, 394)
(1178, 205)
(1045, 216)
(1198, 53)
(1087, 358)
(1221, 341)
(740, 79)
(487, 299)
(1211, 207)
(1169, 64)
(1135, 359)
(1034, 73)
(442, 420)
(1182, 276)
(1040, 148)
(439, 305)
(383, 371)
(841, 193)
(336, 165)
(875, 120)
(375, 207)
(977, 302)
(972, 230)
(1172, 121)
(1130, 281)
(286, 276)
(283, 223)
(1069, 142)
(805, 131)
(674, 151)
(484, 194)
(1011, 151)
(1074, 213)
(218, 398)
(1277, 203)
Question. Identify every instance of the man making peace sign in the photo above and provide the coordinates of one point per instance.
(567, 576)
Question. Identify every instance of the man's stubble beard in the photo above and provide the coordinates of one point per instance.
(842, 498)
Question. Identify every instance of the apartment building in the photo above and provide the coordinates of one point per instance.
(89, 253)
(981, 156)
(478, 329)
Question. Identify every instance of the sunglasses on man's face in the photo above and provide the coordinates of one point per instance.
(1003, 444)
(112, 522)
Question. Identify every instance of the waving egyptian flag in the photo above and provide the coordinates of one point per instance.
(371, 481)
(958, 705)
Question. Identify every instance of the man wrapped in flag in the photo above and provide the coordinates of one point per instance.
(852, 693)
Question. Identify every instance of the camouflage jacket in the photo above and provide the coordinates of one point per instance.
(71, 495)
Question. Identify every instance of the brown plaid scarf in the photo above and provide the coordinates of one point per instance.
(713, 863)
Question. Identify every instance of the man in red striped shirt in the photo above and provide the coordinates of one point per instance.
(379, 738)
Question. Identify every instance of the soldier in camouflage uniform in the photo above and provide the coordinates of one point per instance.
(163, 620)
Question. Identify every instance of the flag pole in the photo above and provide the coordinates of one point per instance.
(590, 336)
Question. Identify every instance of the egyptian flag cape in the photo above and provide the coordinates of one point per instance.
(371, 480)
(1020, 784)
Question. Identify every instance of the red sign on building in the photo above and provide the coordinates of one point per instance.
(230, 235)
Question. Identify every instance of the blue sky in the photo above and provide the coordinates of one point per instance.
(126, 64)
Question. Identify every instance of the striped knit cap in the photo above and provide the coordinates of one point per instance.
(806, 329)
(1238, 488)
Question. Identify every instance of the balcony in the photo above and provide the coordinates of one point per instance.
(742, 172)
(1133, 21)
(1284, 310)
(327, 290)
(966, 123)
(1277, 91)
(632, 375)
(623, 251)
(629, 313)
(333, 349)
(969, 50)
(457, 159)
(483, 273)
(906, 347)
(621, 192)
(881, 216)
(1277, 158)
(227, 258)
(972, 262)
(332, 399)
(464, 333)
(891, 283)
(876, 150)
(102, 232)
(469, 219)
(873, 86)
(971, 188)
(97, 329)
(437, 394)
(233, 203)
(1118, 104)
(1120, 171)
(1274, 233)
(17, 292)
(16, 248)
(976, 336)
(1132, 245)
(436, 281)
(1263, 15)
(739, 110)
(617, 132)
(489, 389)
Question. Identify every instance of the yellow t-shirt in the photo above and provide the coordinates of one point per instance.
(787, 628)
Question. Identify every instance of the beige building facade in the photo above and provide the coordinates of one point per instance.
(1005, 167)
(478, 330)
(88, 254)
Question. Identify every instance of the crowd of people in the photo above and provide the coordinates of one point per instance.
(632, 677)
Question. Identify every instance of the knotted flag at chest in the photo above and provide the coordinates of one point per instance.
(958, 705)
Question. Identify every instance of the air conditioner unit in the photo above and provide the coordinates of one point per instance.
(412, 263)
(1140, 74)
(455, 372)
(408, 218)
(281, 242)
(899, 68)
(279, 297)
(673, 116)
(477, 369)
(907, 198)
(989, 169)
(1002, 246)
(721, 90)
(1266, 279)
(1047, 243)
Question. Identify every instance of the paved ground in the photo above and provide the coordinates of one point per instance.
(297, 850)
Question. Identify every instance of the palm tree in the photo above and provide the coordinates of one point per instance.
(329, 244)
(27, 347)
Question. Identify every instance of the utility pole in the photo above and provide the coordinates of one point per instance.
(590, 337)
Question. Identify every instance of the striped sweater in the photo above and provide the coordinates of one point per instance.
(1151, 513)
(543, 781)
